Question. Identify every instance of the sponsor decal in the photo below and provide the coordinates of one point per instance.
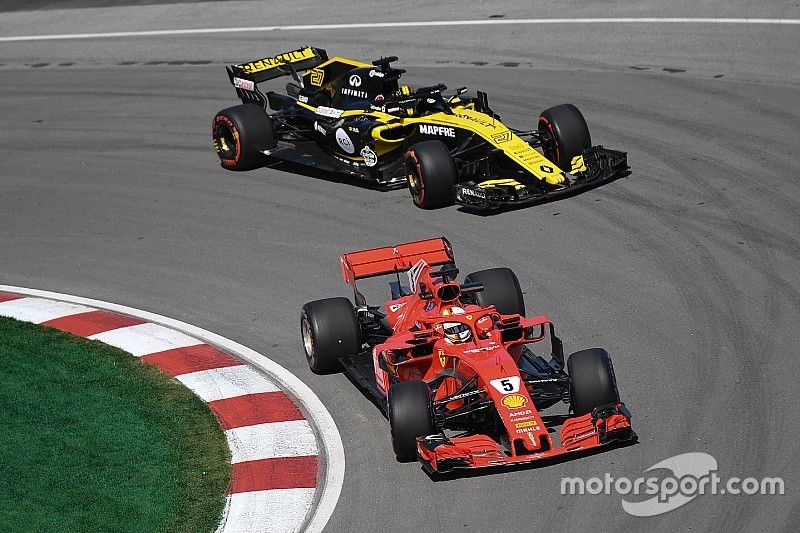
(489, 348)
(529, 424)
(272, 62)
(394, 307)
(520, 413)
(344, 142)
(514, 401)
(355, 80)
(328, 112)
(442, 358)
(317, 75)
(506, 385)
(430, 129)
(347, 162)
(375, 74)
(319, 128)
(470, 192)
(547, 169)
(303, 98)
(354, 92)
(485, 123)
(244, 84)
(501, 137)
(370, 157)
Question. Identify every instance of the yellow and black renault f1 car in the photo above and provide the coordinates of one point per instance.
(342, 115)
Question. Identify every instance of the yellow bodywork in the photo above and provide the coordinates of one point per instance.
(497, 134)
(466, 118)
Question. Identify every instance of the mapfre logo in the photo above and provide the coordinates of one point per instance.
(430, 129)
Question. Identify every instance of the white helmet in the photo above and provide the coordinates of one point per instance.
(455, 332)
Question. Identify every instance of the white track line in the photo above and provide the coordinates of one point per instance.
(227, 382)
(413, 24)
(334, 462)
(270, 440)
(268, 510)
(146, 339)
(37, 311)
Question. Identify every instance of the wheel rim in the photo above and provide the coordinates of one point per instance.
(415, 184)
(225, 140)
(551, 148)
(308, 340)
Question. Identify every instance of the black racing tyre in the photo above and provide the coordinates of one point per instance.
(431, 174)
(330, 330)
(410, 416)
(239, 134)
(592, 380)
(500, 288)
(569, 135)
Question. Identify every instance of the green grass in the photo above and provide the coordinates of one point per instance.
(92, 439)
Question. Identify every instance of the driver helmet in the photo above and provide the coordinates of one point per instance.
(455, 332)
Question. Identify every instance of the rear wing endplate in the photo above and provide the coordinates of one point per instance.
(392, 259)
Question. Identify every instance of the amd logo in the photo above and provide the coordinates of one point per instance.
(430, 129)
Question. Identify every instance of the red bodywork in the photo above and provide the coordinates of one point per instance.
(418, 350)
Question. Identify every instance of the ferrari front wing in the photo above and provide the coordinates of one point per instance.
(599, 165)
(607, 424)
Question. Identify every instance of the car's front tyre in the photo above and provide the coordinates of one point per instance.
(410, 416)
(592, 380)
(431, 173)
(565, 134)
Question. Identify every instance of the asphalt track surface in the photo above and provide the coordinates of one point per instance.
(686, 271)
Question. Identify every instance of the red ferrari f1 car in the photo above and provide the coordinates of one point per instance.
(454, 365)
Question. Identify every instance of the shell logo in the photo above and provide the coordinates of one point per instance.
(514, 401)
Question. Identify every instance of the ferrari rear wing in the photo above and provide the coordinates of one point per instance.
(272, 67)
(392, 259)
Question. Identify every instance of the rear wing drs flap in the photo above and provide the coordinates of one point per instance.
(276, 66)
(392, 259)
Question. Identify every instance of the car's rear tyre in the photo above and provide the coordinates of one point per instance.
(240, 133)
(330, 330)
(431, 174)
(592, 380)
(500, 288)
(410, 416)
(565, 133)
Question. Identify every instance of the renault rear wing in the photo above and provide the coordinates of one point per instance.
(395, 259)
(272, 67)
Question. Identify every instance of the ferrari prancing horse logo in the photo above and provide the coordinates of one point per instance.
(442, 357)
